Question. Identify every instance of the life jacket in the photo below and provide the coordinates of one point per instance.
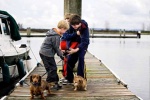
(65, 45)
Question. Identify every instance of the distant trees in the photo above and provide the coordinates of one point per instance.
(20, 26)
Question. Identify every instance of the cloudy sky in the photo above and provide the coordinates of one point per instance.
(114, 14)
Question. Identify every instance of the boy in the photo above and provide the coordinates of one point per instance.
(49, 48)
(81, 27)
(70, 39)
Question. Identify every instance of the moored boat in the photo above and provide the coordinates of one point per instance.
(12, 54)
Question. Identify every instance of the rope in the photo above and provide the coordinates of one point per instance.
(38, 63)
(33, 54)
(14, 48)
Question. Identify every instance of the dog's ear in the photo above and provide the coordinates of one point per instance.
(31, 79)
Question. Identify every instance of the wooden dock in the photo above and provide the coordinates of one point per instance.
(102, 84)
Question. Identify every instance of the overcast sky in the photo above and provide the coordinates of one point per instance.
(114, 14)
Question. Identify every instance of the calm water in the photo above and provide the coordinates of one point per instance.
(128, 58)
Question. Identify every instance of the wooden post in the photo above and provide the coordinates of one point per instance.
(28, 31)
(124, 32)
(92, 32)
(120, 32)
(72, 6)
(138, 34)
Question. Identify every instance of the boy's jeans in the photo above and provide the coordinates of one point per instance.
(72, 59)
(51, 68)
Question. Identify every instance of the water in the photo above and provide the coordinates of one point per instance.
(128, 58)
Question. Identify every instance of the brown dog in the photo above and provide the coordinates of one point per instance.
(80, 83)
(38, 86)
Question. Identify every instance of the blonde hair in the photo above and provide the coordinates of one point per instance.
(63, 24)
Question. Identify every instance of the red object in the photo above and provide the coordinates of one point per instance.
(65, 67)
(73, 45)
(63, 45)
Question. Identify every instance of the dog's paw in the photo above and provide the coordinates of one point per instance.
(85, 89)
(31, 97)
(75, 89)
(43, 97)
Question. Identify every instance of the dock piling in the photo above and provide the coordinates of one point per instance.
(28, 31)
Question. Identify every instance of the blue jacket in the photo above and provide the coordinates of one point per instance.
(83, 39)
(84, 31)
(71, 35)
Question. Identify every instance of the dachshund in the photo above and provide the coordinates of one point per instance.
(38, 86)
(80, 83)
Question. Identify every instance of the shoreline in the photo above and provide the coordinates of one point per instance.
(91, 31)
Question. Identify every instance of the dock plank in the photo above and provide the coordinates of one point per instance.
(102, 84)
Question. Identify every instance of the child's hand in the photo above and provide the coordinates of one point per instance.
(72, 51)
(78, 32)
(63, 51)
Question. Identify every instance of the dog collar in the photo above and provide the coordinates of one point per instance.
(36, 84)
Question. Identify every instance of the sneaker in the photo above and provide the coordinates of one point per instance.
(65, 82)
(61, 80)
(57, 87)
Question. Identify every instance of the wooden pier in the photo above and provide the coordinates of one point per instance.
(102, 84)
